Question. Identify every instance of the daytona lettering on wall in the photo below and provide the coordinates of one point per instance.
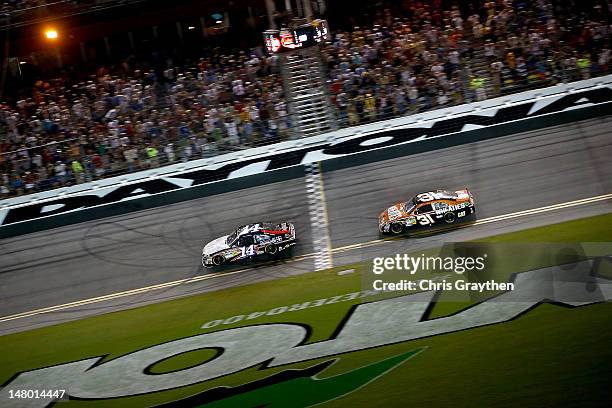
(365, 326)
(358, 144)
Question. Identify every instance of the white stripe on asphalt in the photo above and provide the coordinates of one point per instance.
(496, 218)
(131, 292)
(200, 278)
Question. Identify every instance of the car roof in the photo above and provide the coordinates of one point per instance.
(435, 195)
(244, 229)
(259, 227)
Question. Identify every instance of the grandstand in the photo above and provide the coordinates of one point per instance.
(90, 117)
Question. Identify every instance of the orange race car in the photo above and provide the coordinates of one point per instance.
(438, 207)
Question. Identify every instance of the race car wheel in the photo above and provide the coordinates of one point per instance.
(271, 249)
(218, 260)
(450, 217)
(397, 228)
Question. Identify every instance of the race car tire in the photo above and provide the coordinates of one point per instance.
(450, 217)
(218, 260)
(396, 228)
(271, 249)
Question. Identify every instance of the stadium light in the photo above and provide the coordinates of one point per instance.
(51, 34)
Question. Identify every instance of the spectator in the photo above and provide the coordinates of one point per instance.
(98, 165)
(477, 85)
(152, 156)
(77, 171)
(60, 172)
(584, 65)
(496, 71)
(169, 152)
(131, 157)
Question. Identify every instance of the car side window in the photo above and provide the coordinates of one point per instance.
(424, 208)
(245, 240)
(439, 206)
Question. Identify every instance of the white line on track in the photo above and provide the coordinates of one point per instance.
(119, 295)
(132, 292)
(496, 218)
(545, 209)
(200, 278)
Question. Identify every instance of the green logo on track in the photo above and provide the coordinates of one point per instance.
(295, 388)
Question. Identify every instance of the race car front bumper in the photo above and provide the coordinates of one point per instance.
(207, 261)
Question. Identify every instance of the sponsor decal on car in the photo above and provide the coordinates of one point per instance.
(393, 213)
(453, 207)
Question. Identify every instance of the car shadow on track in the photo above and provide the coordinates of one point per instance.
(426, 232)
(255, 263)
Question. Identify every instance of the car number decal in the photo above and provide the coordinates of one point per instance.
(425, 219)
(248, 251)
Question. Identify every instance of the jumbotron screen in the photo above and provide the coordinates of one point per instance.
(303, 36)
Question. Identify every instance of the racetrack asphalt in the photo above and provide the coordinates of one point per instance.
(506, 175)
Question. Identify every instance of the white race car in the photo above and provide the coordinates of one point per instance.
(250, 242)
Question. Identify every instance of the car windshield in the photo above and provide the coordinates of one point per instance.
(232, 237)
(409, 206)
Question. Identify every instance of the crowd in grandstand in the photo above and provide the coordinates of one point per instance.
(78, 132)
(436, 57)
(431, 57)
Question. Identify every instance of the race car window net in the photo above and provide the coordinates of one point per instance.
(245, 240)
(424, 208)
